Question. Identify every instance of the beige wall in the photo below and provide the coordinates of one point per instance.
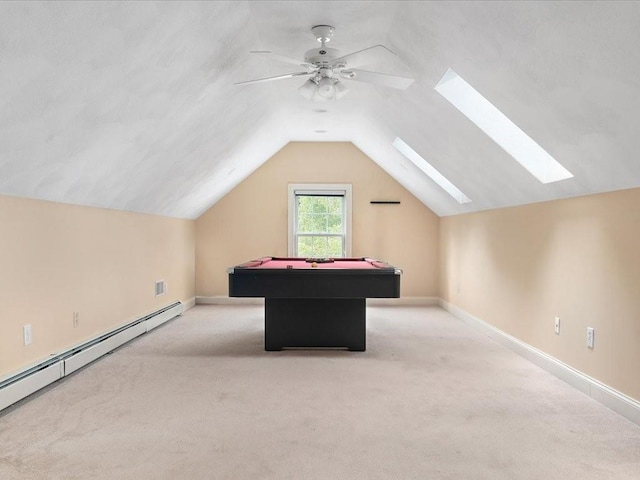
(516, 268)
(251, 220)
(58, 259)
(579, 259)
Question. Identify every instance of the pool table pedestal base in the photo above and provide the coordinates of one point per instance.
(315, 322)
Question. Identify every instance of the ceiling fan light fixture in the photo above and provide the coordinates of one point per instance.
(326, 67)
(340, 89)
(307, 89)
(326, 88)
(318, 98)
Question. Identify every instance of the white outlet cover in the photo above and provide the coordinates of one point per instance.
(590, 336)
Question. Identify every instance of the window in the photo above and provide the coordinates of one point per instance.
(500, 129)
(430, 171)
(320, 220)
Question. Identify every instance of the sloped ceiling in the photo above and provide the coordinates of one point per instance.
(132, 105)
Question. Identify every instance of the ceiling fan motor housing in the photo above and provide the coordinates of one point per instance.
(321, 56)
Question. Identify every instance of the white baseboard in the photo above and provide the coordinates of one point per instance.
(164, 316)
(21, 384)
(187, 304)
(30, 384)
(92, 353)
(404, 301)
(609, 397)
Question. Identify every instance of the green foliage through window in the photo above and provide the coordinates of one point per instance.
(320, 225)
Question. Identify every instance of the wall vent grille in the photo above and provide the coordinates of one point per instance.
(161, 287)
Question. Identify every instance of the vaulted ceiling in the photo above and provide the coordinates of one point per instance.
(132, 105)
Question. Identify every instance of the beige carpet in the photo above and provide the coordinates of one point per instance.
(199, 398)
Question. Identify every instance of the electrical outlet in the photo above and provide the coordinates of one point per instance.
(76, 319)
(557, 327)
(26, 330)
(590, 335)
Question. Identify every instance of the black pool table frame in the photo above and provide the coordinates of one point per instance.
(315, 308)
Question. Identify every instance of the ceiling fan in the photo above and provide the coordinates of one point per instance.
(325, 68)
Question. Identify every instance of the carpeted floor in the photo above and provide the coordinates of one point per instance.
(199, 398)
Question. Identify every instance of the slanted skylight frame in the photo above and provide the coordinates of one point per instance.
(430, 171)
(500, 129)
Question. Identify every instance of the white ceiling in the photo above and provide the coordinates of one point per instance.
(132, 105)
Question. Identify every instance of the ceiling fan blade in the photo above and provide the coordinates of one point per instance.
(282, 58)
(382, 79)
(367, 56)
(277, 77)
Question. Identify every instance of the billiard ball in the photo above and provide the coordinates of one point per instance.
(314, 265)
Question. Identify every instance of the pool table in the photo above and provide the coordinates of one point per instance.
(315, 303)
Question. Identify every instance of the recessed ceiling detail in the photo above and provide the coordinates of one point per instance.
(500, 129)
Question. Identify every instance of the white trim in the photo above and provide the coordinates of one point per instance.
(163, 317)
(88, 355)
(17, 391)
(317, 188)
(187, 304)
(607, 396)
(24, 382)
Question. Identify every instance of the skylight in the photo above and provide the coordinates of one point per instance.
(501, 130)
(427, 168)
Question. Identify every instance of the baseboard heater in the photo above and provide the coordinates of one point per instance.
(23, 384)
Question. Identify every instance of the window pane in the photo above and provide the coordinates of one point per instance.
(315, 223)
(305, 247)
(306, 223)
(335, 247)
(305, 204)
(319, 204)
(334, 223)
(334, 205)
(316, 217)
(319, 246)
(320, 223)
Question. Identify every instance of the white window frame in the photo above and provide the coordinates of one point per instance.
(319, 189)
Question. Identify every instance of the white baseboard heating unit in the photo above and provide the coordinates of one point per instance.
(24, 383)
